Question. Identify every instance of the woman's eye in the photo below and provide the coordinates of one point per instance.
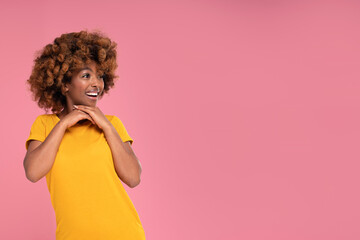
(86, 75)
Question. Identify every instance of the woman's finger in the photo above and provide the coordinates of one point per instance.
(84, 108)
(86, 115)
(87, 111)
(89, 117)
(92, 121)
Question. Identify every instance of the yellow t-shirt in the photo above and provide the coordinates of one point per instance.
(88, 197)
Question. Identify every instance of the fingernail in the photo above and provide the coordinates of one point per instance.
(75, 106)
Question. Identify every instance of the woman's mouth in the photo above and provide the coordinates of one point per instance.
(92, 95)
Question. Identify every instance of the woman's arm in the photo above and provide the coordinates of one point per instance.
(127, 166)
(40, 156)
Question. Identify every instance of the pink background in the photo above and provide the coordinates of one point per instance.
(244, 114)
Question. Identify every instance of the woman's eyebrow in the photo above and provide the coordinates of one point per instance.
(86, 68)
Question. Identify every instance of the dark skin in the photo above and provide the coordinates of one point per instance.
(81, 107)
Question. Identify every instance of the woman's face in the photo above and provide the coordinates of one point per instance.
(85, 87)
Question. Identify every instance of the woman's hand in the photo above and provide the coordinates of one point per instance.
(96, 115)
(75, 116)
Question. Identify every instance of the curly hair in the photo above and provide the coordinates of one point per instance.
(56, 63)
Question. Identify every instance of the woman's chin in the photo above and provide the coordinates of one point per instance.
(88, 104)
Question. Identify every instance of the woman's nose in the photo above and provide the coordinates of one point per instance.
(96, 81)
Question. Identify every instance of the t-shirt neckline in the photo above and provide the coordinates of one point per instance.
(56, 116)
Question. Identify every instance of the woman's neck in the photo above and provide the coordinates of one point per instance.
(63, 113)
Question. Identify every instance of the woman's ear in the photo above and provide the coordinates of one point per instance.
(64, 89)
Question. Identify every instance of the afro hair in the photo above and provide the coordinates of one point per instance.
(57, 61)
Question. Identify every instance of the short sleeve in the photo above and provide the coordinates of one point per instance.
(120, 128)
(37, 131)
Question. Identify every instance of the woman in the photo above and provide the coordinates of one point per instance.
(82, 152)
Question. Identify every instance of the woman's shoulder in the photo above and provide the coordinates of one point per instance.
(114, 119)
(47, 117)
(53, 116)
(110, 117)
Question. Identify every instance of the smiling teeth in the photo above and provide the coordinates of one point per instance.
(92, 94)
